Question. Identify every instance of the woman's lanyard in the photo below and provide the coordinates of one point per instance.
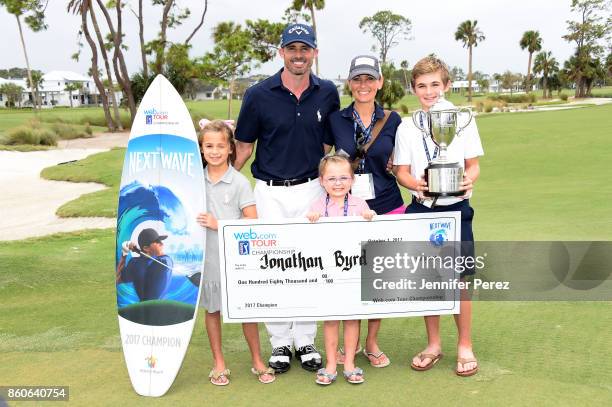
(435, 154)
(365, 133)
(345, 205)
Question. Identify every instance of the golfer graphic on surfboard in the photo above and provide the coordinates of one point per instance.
(150, 270)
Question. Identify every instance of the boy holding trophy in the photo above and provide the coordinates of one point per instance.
(436, 158)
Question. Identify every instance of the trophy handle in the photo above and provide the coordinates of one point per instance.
(415, 119)
(470, 115)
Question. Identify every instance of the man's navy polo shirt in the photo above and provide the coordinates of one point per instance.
(341, 124)
(289, 132)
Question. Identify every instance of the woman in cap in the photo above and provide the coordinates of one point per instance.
(366, 133)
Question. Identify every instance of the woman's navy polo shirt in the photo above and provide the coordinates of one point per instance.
(289, 132)
(341, 124)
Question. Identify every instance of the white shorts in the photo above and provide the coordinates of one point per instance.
(274, 202)
(288, 202)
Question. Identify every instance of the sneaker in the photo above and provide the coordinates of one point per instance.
(309, 358)
(280, 360)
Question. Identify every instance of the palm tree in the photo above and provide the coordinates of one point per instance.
(83, 7)
(470, 35)
(544, 62)
(75, 6)
(311, 5)
(35, 20)
(71, 87)
(34, 81)
(404, 66)
(533, 42)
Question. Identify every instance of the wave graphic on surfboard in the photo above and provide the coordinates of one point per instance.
(173, 298)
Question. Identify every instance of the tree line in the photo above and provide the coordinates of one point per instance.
(240, 48)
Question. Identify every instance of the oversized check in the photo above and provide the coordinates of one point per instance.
(294, 270)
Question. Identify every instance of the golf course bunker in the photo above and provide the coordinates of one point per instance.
(29, 203)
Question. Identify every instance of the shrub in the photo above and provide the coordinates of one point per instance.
(100, 121)
(404, 109)
(47, 137)
(64, 131)
(522, 98)
(70, 131)
(488, 105)
(97, 120)
(563, 97)
(31, 135)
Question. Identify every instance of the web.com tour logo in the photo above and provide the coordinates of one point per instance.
(251, 239)
(153, 115)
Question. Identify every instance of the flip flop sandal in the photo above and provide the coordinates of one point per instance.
(216, 377)
(260, 373)
(341, 354)
(467, 373)
(331, 377)
(357, 373)
(380, 357)
(434, 360)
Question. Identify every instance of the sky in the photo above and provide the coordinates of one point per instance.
(434, 23)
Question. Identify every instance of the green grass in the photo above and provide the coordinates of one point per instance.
(605, 91)
(213, 109)
(10, 118)
(23, 147)
(59, 326)
(543, 176)
(104, 168)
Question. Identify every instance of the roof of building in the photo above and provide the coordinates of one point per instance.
(65, 76)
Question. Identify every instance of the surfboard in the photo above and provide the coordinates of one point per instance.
(159, 246)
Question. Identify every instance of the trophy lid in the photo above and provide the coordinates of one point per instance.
(442, 104)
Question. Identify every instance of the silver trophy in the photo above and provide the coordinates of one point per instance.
(441, 123)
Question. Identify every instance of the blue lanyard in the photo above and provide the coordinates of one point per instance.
(345, 205)
(435, 154)
(367, 134)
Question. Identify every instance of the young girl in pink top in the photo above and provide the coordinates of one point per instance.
(336, 176)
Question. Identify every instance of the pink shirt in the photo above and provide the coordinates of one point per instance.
(356, 207)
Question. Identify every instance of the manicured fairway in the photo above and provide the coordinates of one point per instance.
(544, 177)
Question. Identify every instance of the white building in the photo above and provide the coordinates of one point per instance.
(462, 86)
(52, 90)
